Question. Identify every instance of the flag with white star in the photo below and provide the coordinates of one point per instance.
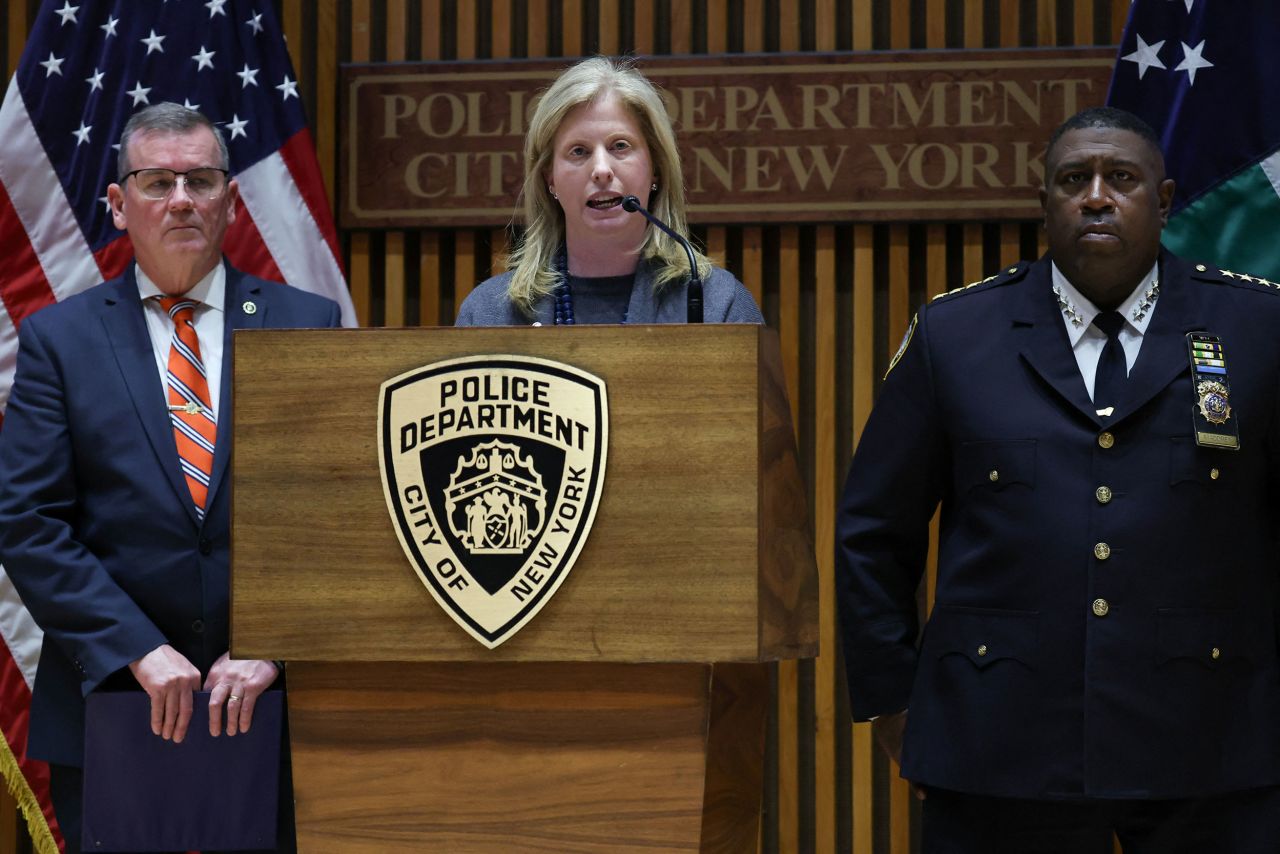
(1203, 73)
(87, 66)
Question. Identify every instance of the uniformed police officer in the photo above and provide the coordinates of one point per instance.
(1102, 430)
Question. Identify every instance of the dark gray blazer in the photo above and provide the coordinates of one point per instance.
(724, 300)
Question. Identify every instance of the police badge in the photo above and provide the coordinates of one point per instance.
(492, 467)
(1211, 419)
(1213, 402)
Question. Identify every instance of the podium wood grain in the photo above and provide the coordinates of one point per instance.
(527, 757)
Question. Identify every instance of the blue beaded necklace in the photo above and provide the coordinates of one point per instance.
(563, 293)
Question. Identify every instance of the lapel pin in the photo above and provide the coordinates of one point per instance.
(249, 307)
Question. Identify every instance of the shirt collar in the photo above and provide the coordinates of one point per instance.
(210, 291)
(1079, 307)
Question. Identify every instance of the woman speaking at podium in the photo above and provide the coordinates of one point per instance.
(604, 212)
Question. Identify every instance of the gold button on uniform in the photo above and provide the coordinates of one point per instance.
(994, 475)
(1100, 607)
(1106, 440)
(982, 650)
(1217, 653)
(1102, 551)
(1199, 268)
(1213, 474)
(1103, 494)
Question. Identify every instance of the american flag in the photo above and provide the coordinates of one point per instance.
(87, 66)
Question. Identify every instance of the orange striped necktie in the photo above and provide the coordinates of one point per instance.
(194, 426)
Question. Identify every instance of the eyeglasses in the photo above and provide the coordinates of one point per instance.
(205, 183)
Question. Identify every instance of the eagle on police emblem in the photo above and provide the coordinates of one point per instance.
(492, 467)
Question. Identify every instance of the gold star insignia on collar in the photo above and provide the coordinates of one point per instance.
(1246, 277)
(1228, 274)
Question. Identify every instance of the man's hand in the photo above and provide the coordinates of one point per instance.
(888, 730)
(169, 679)
(237, 683)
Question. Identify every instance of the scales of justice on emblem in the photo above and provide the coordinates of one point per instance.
(492, 468)
(495, 501)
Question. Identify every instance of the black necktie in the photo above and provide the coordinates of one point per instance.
(1109, 381)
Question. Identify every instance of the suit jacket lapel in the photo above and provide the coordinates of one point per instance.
(1163, 356)
(242, 292)
(1043, 338)
(131, 342)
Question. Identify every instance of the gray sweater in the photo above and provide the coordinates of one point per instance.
(724, 300)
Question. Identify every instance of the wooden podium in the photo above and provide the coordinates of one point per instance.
(628, 715)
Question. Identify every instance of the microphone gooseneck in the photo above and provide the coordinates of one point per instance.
(632, 205)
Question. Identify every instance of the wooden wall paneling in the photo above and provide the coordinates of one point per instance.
(680, 26)
(824, 21)
(974, 267)
(718, 245)
(642, 12)
(825, 461)
(717, 26)
(467, 30)
(1010, 22)
(429, 278)
(753, 23)
(536, 28)
(789, 723)
(464, 266)
(17, 26)
(789, 25)
(432, 48)
(610, 23)
(862, 23)
(498, 250)
(1010, 244)
(752, 274)
(325, 117)
(500, 29)
(973, 31)
(571, 27)
(358, 272)
(1082, 19)
(935, 24)
(393, 281)
(899, 26)
(1046, 23)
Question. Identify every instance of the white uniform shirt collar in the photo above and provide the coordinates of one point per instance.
(1085, 311)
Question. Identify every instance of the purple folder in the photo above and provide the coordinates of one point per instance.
(142, 793)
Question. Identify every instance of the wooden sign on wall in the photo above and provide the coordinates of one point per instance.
(785, 138)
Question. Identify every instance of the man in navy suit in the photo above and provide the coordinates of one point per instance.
(116, 540)
(1102, 431)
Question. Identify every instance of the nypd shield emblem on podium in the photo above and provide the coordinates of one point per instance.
(492, 468)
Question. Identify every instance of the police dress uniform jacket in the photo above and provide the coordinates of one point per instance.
(97, 527)
(1105, 617)
(724, 300)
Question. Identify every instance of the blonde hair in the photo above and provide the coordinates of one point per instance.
(533, 260)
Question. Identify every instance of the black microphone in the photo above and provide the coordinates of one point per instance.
(632, 205)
